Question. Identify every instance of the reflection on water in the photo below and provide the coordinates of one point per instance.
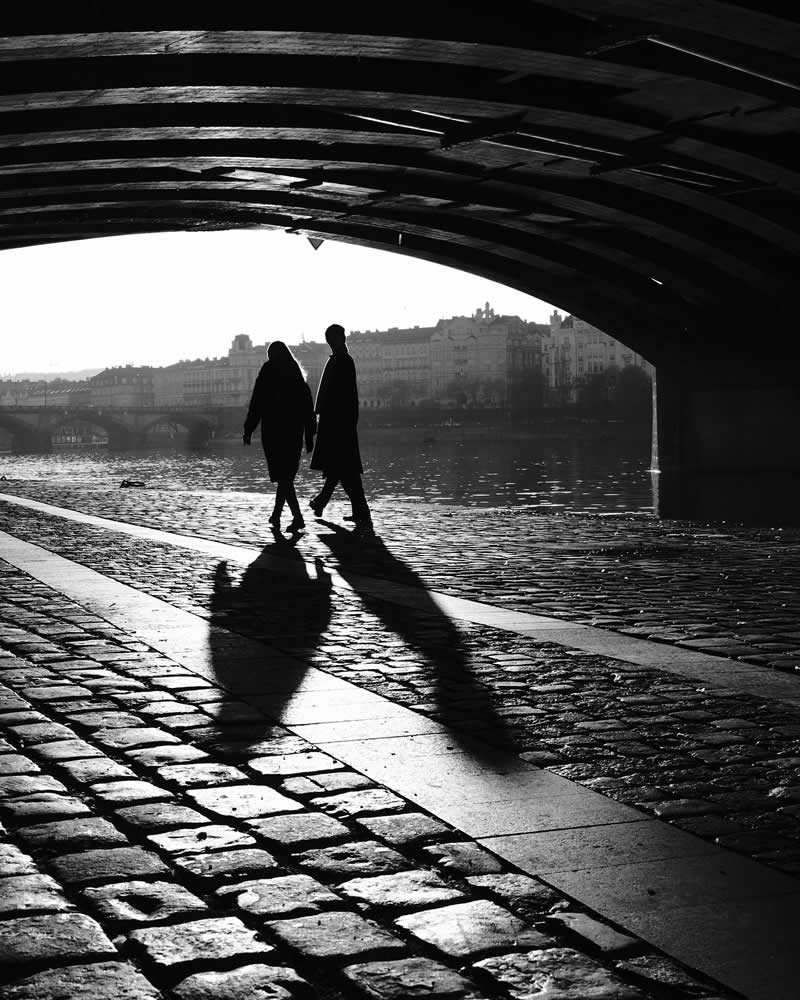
(602, 476)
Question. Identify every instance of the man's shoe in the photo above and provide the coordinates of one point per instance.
(316, 506)
(296, 525)
(275, 518)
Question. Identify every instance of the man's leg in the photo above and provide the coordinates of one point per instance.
(322, 498)
(354, 488)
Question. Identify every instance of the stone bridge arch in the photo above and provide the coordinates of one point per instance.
(121, 433)
(633, 163)
(25, 434)
(199, 427)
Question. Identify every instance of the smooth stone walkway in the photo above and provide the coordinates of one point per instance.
(712, 671)
(722, 914)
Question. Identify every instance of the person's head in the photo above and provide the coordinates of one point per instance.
(282, 358)
(335, 336)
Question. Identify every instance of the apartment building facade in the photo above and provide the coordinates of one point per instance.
(122, 387)
(575, 351)
(485, 360)
(229, 380)
(394, 366)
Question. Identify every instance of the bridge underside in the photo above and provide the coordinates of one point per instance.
(631, 161)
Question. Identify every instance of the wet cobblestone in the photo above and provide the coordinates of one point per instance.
(223, 918)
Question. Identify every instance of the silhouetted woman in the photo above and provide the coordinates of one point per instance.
(281, 401)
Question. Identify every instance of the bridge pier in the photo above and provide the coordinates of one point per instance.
(725, 443)
(198, 436)
(36, 442)
(123, 439)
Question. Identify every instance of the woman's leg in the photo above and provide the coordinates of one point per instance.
(294, 507)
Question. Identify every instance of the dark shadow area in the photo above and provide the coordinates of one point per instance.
(463, 703)
(284, 608)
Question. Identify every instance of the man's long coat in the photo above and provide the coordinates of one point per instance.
(336, 450)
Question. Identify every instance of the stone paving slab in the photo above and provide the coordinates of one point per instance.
(597, 846)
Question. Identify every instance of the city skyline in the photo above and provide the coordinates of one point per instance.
(481, 360)
(161, 298)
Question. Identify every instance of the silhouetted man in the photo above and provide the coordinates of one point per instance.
(336, 452)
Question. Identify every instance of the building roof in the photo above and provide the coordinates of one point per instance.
(409, 335)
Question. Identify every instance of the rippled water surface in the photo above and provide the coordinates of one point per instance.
(601, 476)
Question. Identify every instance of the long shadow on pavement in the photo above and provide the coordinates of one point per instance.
(289, 606)
(463, 703)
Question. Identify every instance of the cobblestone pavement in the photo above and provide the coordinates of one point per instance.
(716, 762)
(161, 838)
(721, 764)
(719, 588)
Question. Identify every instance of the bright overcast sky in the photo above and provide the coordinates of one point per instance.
(162, 298)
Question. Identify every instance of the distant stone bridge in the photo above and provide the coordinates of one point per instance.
(32, 428)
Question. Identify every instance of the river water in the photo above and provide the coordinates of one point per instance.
(602, 476)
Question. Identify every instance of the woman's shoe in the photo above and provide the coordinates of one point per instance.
(316, 506)
(275, 518)
(296, 525)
